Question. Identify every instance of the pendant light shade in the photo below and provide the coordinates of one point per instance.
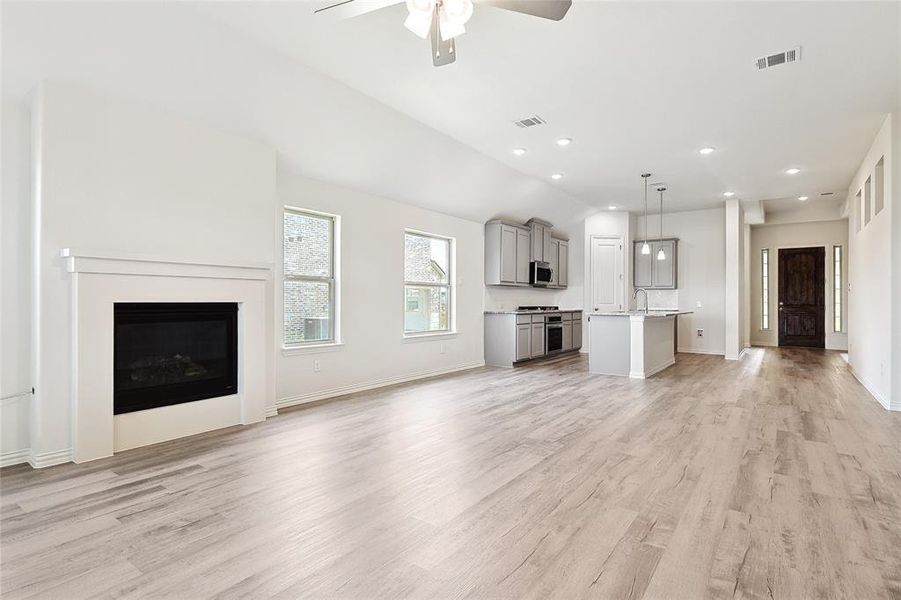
(645, 247)
(661, 255)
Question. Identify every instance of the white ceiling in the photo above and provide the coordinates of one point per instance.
(639, 86)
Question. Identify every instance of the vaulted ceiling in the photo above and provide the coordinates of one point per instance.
(639, 86)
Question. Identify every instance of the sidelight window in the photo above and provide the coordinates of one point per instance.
(765, 289)
(837, 288)
(310, 284)
(427, 283)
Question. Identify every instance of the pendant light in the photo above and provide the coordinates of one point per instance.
(661, 255)
(645, 248)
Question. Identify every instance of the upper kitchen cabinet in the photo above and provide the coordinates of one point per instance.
(559, 261)
(541, 239)
(649, 272)
(507, 254)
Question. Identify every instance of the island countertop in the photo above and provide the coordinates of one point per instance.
(531, 312)
(652, 314)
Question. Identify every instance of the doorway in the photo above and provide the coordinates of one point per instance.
(606, 273)
(802, 297)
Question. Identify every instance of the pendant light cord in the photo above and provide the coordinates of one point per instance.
(645, 177)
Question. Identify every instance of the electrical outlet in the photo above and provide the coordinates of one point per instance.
(316, 366)
(698, 304)
(443, 349)
(700, 333)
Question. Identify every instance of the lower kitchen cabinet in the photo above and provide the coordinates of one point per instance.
(514, 337)
(523, 342)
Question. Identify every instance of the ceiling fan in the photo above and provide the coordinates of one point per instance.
(444, 20)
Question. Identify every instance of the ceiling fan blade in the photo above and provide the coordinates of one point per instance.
(345, 9)
(546, 9)
(443, 52)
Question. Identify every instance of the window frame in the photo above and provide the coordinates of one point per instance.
(332, 279)
(450, 286)
(838, 284)
(764, 289)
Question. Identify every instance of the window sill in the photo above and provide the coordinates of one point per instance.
(424, 337)
(312, 349)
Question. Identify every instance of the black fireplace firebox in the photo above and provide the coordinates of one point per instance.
(168, 353)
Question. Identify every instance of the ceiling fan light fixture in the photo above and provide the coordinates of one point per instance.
(419, 23)
(450, 28)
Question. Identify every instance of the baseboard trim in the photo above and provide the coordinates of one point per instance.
(370, 385)
(872, 390)
(696, 351)
(50, 459)
(271, 411)
(652, 372)
(16, 457)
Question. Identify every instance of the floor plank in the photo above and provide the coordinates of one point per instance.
(776, 476)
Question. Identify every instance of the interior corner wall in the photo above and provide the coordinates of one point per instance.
(874, 290)
(15, 284)
(894, 198)
(701, 277)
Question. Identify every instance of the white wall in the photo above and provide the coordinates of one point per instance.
(219, 79)
(114, 179)
(702, 272)
(371, 312)
(873, 297)
(795, 235)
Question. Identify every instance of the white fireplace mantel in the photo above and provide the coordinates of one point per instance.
(98, 282)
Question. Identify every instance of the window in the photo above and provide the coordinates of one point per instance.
(880, 186)
(765, 288)
(837, 288)
(309, 286)
(867, 194)
(427, 283)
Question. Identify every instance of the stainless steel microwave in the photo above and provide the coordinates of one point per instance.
(539, 273)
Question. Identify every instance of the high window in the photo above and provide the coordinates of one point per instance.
(765, 288)
(310, 283)
(427, 283)
(837, 288)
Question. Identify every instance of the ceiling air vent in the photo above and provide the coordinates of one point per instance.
(788, 56)
(530, 121)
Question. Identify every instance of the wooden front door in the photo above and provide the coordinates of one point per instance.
(802, 297)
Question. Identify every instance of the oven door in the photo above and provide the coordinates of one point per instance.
(553, 334)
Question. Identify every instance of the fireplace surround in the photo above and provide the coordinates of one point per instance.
(168, 353)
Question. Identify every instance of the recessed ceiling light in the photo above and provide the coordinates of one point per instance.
(564, 141)
(707, 150)
(728, 194)
(557, 176)
(519, 151)
(802, 198)
(793, 171)
(611, 208)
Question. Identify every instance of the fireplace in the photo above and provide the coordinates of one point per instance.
(171, 353)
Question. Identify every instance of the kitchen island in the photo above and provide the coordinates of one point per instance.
(633, 344)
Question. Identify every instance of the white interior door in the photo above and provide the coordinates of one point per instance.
(606, 274)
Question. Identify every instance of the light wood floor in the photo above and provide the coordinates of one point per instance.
(774, 477)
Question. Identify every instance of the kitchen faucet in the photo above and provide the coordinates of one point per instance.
(635, 298)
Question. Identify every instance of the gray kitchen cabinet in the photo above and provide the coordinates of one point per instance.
(523, 241)
(577, 334)
(506, 254)
(551, 259)
(650, 273)
(562, 263)
(537, 342)
(523, 342)
(567, 336)
(541, 239)
(514, 337)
